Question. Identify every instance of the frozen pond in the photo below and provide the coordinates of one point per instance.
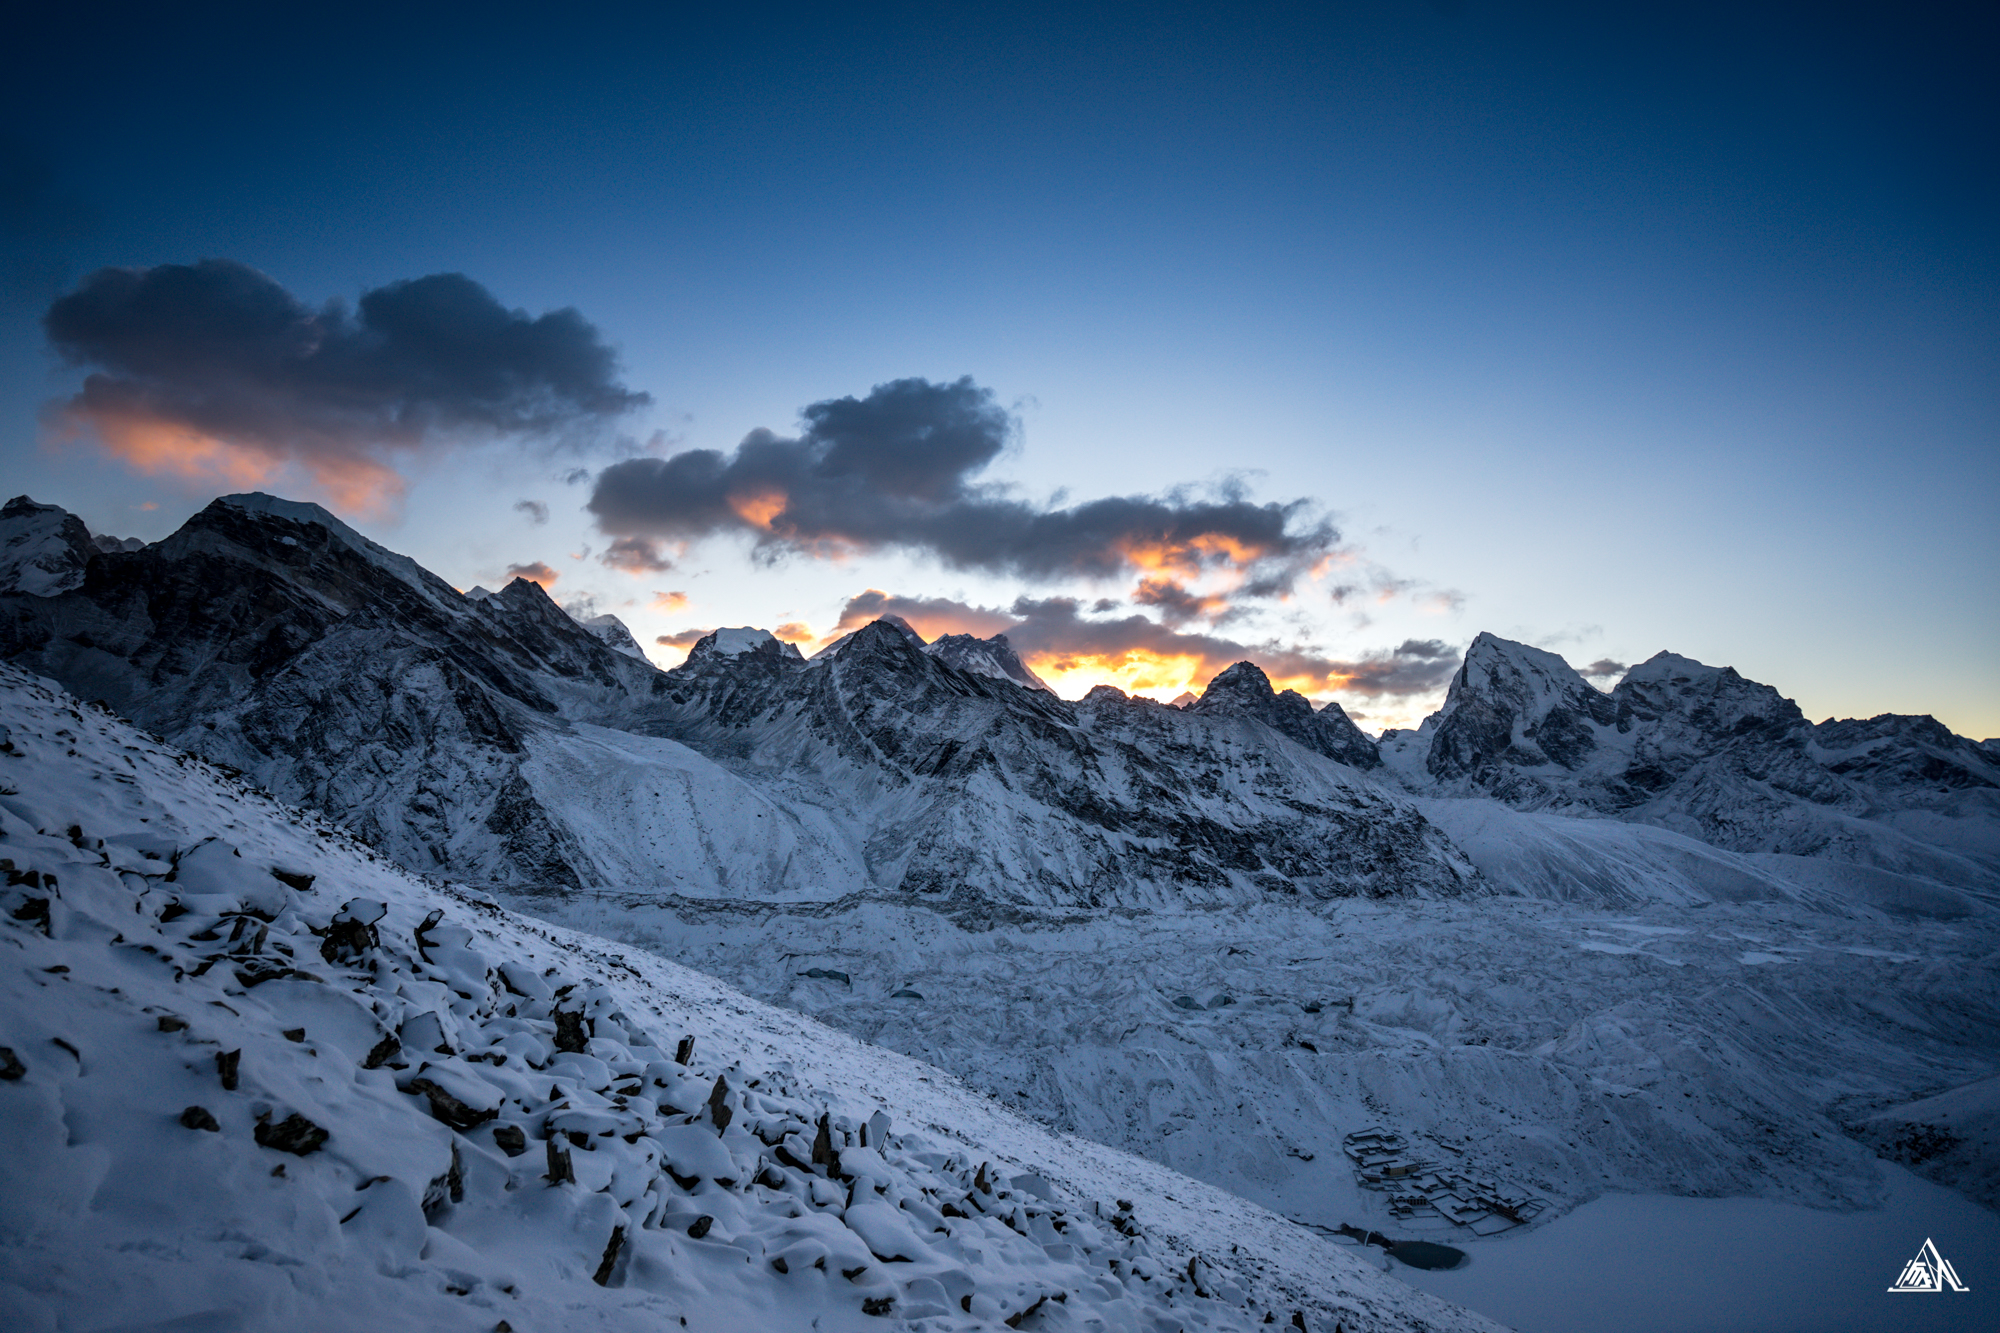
(1644, 1262)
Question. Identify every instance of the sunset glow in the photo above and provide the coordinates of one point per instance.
(353, 483)
(758, 508)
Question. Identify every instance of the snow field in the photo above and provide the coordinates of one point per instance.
(255, 1076)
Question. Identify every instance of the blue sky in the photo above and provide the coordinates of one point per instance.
(1614, 332)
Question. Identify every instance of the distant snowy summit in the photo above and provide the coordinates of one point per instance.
(1705, 752)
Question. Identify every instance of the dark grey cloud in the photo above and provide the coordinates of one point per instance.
(536, 511)
(636, 555)
(898, 469)
(1604, 668)
(1415, 666)
(192, 359)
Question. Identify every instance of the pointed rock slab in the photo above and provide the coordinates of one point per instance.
(718, 1104)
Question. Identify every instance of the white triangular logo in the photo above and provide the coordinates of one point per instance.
(1929, 1271)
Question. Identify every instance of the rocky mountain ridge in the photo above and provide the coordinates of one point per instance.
(1705, 752)
(493, 737)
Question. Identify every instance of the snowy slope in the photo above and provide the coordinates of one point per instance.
(256, 1077)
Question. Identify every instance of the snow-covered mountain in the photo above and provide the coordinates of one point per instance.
(1705, 752)
(254, 1076)
(492, 736)
(43, 549)
(972, 792)
(1245, 691)
(986, 657)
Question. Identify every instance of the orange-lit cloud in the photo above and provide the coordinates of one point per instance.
(355, 483)
(758, 507)
(900, 469)
(535, 572)
(669, 602)
(795, 631)
(636, 555)
(1178, 604)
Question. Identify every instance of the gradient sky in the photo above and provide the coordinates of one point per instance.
(1610, 330)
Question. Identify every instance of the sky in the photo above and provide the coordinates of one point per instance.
(1156, 337)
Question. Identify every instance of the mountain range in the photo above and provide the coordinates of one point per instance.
(1670, 937)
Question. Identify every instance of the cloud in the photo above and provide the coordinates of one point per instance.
(669, 602)
(535, 572)
(1177, 605)
(1383, 587)
(635, 555)
(1416, 666)
(1604, 668)
(683, 639)
(537, 512)
(1056, 638)
(898, 469)
(795, 631)
(931, 616)
(213, 370)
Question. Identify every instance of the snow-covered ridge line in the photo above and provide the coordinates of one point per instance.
(254, 1074)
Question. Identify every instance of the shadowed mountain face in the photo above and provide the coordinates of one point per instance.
(1705, 752)
(495, 739)
(270, 637)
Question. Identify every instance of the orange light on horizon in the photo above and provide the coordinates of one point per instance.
(1157, 676)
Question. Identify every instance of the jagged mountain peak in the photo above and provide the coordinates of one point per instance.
(1240, 680)
(1513, 701)
(305, 512)
(1496, 664)
(1243, 690)
(986, 657)
(897, 623)
(44, 548)
(1666, 666)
